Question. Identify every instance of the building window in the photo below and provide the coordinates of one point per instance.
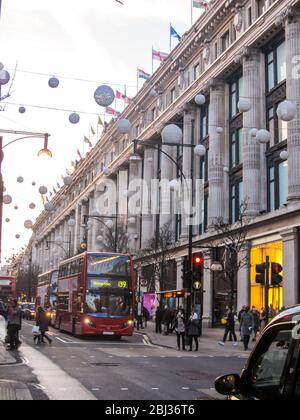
(153, 114)
(216, 50)
(277, 186)
(204, 167)
(173, 95)
(249, 16)
(204, 122)
(225, 42)
(236, 200)
(236, 91)
(276, 66)
(260, 7)
(204, 216)
(236, 150)
(196, 71)
(277, 127)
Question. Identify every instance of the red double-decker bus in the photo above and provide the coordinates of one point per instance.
(46, 293)
(8, 288)
(96, 295)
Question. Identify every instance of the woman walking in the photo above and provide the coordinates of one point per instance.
(230, 327)
(42, 322)
(247, 326)
(180, 329)
(193, 327)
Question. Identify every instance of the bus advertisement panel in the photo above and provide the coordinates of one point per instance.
(46, 293)
(96, 295)
(8, 288)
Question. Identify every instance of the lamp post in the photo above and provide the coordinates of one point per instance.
(173, 138)
(100, 218)
(60, 243)
(25, 135)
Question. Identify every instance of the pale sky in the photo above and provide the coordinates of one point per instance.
(98, 40)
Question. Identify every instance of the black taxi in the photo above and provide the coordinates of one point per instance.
(273, 369)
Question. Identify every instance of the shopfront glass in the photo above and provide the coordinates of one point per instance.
(259, 253)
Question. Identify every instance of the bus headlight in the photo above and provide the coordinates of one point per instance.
(128, 324)
(89, 323)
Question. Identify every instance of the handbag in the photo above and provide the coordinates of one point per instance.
(36, 330)
(224, 321)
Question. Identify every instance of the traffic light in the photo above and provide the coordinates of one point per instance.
(261, 274)
(185, 273)
(276, 277)
(198, 268)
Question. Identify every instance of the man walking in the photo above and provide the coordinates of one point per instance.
(158, 320)
(14, 325)
(256, 320)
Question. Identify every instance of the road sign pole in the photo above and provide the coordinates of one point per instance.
(267, 286)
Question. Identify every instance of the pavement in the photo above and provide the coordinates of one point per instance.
(208, 343)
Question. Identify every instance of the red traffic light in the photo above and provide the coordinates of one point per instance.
(198, 260)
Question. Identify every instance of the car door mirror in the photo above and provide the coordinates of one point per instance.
(228, 385)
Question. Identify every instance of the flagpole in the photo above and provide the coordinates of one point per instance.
(192, 14)
(152, 62)
(137, 80)
(170, 37)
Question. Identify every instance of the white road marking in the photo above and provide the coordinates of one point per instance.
(95, 389)
(124, 389)
(184, 388)
(155, 389)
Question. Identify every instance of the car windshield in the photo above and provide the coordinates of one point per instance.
(106, 303)
(109, 265)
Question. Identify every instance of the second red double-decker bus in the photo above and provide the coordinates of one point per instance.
(46, 293)
(96, 295)
(8, 288)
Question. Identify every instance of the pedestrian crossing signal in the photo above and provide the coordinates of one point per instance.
(261, 274)
(276, 277)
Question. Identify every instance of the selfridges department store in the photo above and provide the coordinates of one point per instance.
(241, 60)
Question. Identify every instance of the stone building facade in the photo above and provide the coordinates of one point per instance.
(238, 49)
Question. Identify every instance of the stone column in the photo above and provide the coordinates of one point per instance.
(189, 115)
(215, 157)
(76, 239)
(290, 267)
(292, 31)
(134, 204)
(252, 119)
(147, 217)
(167, 174)
(179, 283)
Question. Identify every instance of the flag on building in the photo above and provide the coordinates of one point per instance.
(120, 1)
(100, 122)
(174, 33)
(54, 190)
(79, 154)
(68, 172)
(58, 185)
(72, 163)
(111, 111)
(123, 97)
(143, 75)
(200, 4)
(88, 141)
(92, 130)
(158, 55)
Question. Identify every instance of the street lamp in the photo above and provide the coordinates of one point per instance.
(25, 135)
(108, 224)
(59, 241)
(172, 136)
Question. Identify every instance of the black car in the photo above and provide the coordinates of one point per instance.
(273, 369)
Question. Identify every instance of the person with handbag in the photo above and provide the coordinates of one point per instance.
(43, 323)
(193, 329)
(247, 326)
(229, 327)
(180, 329)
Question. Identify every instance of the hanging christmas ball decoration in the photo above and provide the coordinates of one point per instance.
(32, 206)
(132, 220)
(16, 207)
(124, 126)
(220, 130)
(284, 155)
(109, 224)
(174, 185)
(263, 136)
(200, 150)
(18, 236)
(71, 222)
(253, 132)
(43, 190)
(172, 134)
(244, 105)
(153, 93)
(22, 110)
(20, 179)
(28, 224)
(7, 199)
(33, 184)
(68, 180)
(53, 82)
(287, 111)
(200, 99)
(106, 171)
(104, 95)
(74, 118)
(49, 207)
(7, 220)
(226, 169)
(100, 239)
(4, 77)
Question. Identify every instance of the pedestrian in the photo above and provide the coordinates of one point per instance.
(242, 311)
(256, 320)
(166, 320)
(263, 319)
(230, 327)
(146, 316)
(158, 320)
(42, 322)
(14, 324)
(180, 329)
(193, 328)
(247, 325)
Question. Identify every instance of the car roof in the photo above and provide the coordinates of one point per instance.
(287, 315)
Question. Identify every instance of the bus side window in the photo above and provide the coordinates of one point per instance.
(80, 266)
